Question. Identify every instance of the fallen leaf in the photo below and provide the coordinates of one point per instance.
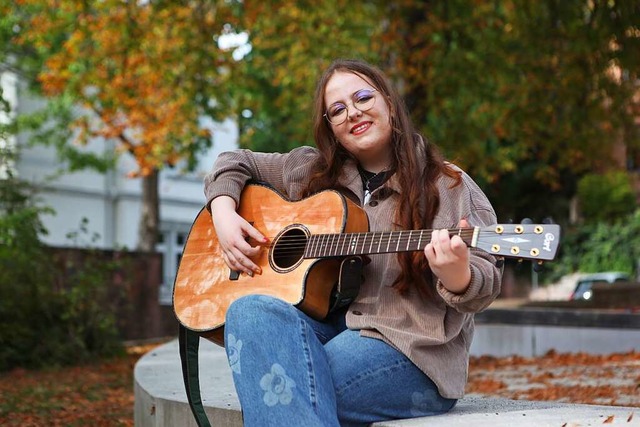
(609, 419)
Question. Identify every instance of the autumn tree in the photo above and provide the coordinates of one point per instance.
(527, 96)
(143, 73)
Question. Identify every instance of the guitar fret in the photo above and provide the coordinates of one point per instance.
(334, 243)
(316, 248)
(420, 240)
(344, 241)
(312, 241)
(332, 238)
(380, 241)
(314, 251)
(364, 242)
(398, 242)
(320, 247)
(389, 241)
(373, 236)
(323, 246)
(409, 240)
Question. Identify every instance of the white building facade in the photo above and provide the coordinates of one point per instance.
(110, 203)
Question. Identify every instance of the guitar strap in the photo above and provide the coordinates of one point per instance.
(348, 284)
(189, 345)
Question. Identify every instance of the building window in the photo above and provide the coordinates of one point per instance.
(170, 243)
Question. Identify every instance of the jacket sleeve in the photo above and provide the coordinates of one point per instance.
(468, 201)
(232, 170)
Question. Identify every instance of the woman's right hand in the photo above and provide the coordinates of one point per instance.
(232, 231)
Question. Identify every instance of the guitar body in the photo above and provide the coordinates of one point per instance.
(205, 287)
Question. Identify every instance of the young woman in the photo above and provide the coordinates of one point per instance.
(401, 348)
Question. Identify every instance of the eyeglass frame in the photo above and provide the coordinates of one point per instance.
(325, 115)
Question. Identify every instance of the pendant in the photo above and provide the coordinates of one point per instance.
(367, 196)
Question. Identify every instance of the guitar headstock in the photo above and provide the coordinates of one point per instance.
(525, 241)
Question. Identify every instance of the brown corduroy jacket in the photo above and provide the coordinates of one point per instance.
(434, 332)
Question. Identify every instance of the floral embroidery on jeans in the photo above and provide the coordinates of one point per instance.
(233, 353)
(277, 386)
(425, 403)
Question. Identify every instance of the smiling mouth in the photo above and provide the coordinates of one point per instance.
(361, 127)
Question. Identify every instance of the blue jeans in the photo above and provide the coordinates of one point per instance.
(291, 370)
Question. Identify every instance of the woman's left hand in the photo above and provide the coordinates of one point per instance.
(448, 258)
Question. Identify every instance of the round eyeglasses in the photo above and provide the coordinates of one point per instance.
(363, 100)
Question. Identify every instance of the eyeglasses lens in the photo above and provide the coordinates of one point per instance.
(363, 100)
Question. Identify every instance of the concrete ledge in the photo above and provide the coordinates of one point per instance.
(161, 401)
(560, 316)
(530, 332)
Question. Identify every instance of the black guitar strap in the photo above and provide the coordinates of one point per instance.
(189, 345)
(348, 284)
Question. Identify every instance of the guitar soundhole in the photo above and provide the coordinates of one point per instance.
(288, 249)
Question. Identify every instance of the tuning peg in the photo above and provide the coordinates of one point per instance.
(526, 221)
(538, 266)
(548, 220)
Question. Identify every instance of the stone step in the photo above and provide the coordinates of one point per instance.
(161, 400)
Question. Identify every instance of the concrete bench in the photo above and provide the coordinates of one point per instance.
(161, 401)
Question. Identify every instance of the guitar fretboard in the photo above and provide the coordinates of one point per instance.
(330, 245)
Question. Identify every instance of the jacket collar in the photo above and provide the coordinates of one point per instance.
(350, 178)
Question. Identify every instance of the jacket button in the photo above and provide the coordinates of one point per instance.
(373, 203)
(357, 313)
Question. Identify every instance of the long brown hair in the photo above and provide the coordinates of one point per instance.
(414, 161)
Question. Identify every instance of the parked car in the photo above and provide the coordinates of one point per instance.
(583, 286)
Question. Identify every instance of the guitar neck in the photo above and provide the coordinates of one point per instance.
(332, 245)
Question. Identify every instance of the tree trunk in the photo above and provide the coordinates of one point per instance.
(150, 214)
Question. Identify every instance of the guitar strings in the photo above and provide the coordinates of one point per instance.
(324, 242)
(348, 236)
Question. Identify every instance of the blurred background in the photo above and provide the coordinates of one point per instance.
(112, 111)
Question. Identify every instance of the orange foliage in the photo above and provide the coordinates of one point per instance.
(137, 67)
(610, 379)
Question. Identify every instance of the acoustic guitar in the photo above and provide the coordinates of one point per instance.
(308, 239)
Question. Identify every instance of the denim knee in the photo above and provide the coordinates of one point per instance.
(255, 309)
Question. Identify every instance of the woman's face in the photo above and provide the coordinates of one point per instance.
(365, 134)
